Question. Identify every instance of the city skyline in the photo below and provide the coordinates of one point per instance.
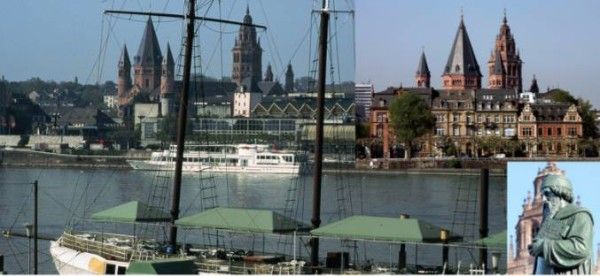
(86, 44)
(388, 54)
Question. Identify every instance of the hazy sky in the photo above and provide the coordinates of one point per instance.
(558, 40)
(61, 39)
(585, 185)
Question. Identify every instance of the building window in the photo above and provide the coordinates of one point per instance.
(539, 131)
(549, 131)
(571, 117)
(456, 131)
(497, 118)
(572, 131)
(527, 131)
(439, 131)
(559, 131)
(455, 117)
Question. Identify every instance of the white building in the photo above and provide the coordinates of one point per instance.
(244, 101)
(141, 111)
(110, 101)
(363, 93)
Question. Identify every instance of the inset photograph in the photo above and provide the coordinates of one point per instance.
(552, 208)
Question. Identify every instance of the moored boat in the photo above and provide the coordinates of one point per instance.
(244, 158)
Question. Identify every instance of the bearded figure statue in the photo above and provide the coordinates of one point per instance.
(563, 244)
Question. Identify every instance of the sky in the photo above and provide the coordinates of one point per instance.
(558, 40)
(520, 176)
(63, 39)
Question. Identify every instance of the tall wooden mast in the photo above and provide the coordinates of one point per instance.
(183, 104)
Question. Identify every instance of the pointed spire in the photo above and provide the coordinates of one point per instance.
(504, 19)
(498, 67)
(168, 58)
(269, 73)
(247, 17)
(149, 51)
(462, 58)
(534, 85)
(423, 69)
(124, 59)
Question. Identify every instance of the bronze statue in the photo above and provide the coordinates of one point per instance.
(563, 244)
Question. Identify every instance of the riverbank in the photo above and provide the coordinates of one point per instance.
(29, 158)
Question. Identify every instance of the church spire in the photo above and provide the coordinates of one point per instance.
(289, 79)
(124, 76)
(511, 61)
(269, 73)
(423, 76)
(148, 60)
(462, 70)
(534, 86)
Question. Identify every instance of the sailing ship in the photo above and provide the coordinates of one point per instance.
(108, 253)
(241, 158)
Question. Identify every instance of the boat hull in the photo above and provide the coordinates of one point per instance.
(70, 262)
(197, 167)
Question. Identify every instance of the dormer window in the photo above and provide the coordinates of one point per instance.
(457, 68)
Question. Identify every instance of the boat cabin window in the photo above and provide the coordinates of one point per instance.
(121, 270)
(110, 269)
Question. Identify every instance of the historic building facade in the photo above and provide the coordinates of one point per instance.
(470, 116)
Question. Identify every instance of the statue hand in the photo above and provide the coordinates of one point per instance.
(535, 249)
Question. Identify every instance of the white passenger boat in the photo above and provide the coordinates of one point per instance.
(222, 158)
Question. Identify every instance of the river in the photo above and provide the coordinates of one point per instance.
(68, 196)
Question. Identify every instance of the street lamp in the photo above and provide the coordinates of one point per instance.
(28, 233)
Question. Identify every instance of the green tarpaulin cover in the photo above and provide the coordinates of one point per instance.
(382, 229)
(242, 220)
(131, 212)
(166, 266)
(497, 240)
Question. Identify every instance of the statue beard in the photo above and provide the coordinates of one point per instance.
(551, 207)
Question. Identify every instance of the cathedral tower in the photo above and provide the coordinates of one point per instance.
(167, 84)
(269, 73)
(124, 77)
(506, 53)
(247, 56)
(423, 76)
(147, 68)
(462, 70)
(289, 79)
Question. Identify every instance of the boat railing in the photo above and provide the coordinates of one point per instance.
(223, 266)
(89, 243)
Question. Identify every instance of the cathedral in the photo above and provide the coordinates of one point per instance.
(154, 77)
(153, 73)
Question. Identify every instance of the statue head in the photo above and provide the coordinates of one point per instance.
(557, 192)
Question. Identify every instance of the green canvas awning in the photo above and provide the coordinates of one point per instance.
(242, 220)
(131, 212)
(383, 229)
(497, 240)
(165, 266)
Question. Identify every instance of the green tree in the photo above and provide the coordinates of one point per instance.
(590, 130)
(562, 96)
(411, 118)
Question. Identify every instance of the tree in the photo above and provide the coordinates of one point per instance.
(562, 96)
(590, 130)
(411, 118)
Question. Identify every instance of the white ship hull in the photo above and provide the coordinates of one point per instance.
(71, 262)
(187, 167)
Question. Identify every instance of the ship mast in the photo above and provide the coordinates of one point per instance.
(318, 171)
(190, 17)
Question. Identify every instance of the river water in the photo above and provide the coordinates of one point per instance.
(68, 196)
